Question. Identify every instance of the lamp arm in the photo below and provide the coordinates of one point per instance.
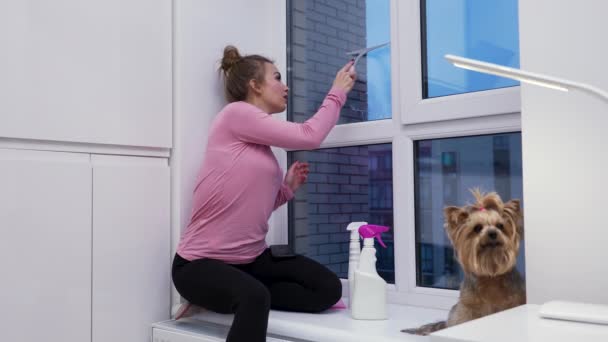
(595, 91)
(591, 90)
(525, 76)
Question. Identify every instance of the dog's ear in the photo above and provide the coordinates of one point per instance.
(512, 210)
(514, 206)
(454, 217)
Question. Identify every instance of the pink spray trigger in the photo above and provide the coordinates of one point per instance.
(371, 230)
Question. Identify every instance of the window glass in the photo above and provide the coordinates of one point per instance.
(320, 35)
(445, 170)
(483, 30)
(344, 185)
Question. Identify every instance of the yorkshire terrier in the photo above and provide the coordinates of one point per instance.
(486, 238)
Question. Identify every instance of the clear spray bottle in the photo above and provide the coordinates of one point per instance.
(369, 292)
(354, 250)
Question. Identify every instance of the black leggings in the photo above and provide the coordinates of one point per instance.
(250, 290)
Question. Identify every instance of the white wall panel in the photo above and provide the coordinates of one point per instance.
(565, 154)
(45, 248)
(86, 71)
(131, 247)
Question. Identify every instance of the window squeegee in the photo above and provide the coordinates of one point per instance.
(362, 52)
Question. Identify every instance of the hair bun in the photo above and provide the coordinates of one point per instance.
(231, 57)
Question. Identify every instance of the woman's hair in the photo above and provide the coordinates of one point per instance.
(239, 70)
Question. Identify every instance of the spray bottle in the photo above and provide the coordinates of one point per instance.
(369, 292)
(354, 250)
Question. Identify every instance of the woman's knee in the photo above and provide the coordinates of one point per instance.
(334, 289)
(256, 296)
(329, 293)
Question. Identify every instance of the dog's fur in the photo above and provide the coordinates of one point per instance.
(486, 238)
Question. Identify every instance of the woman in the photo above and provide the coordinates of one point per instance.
(223, 263)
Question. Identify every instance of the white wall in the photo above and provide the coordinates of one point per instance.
(565, 155)
(201, 31)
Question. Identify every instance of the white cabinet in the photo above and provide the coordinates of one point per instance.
(131, 247)
(85, 244)
(95, 71)
(45, 246)
(84, 250)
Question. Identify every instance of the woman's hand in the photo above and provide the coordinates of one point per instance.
(296, 175)
(345, 78)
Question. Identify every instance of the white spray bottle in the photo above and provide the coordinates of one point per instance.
(354, 249)
(369, 295)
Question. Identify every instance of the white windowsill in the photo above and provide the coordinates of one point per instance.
(333, 325)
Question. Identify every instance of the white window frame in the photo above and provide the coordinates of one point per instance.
(486, 112)
(406, 36)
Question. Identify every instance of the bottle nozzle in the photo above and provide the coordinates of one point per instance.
(355, 225)
(373, 231)
(353, 228)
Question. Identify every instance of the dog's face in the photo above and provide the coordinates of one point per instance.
(486, 235)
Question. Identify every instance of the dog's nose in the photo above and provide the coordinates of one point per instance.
(492, 234)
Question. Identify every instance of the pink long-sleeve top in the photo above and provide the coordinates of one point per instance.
(240, 182)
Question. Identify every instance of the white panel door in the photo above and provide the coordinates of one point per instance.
(95, 71)
(45, 248)
(131, 247)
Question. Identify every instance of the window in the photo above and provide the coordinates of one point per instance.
(426, 30)
(445, 171)
(345, 184)
(351, 182)
(322, 34)
(484, 30)
(405, 145)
